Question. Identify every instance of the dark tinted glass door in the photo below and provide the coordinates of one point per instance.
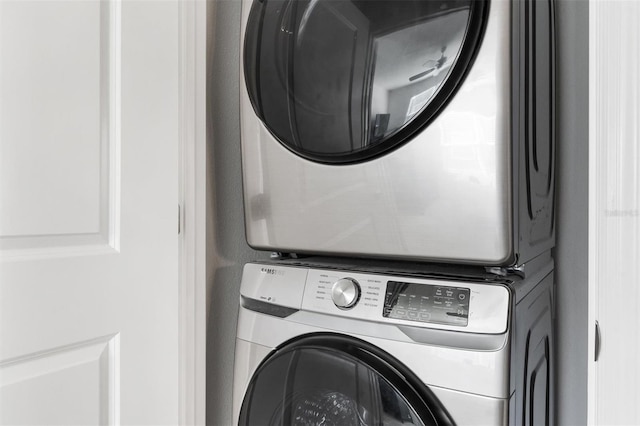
(344, 80)
(336, 380)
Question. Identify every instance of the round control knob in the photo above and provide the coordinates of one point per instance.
(345, 293)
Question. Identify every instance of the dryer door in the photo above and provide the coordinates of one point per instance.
(339, 81)
(331, 379)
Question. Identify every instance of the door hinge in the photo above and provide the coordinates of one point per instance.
(598, 343)
(179, 219)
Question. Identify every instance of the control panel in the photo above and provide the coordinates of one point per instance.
(404, 300)
(427, 303)
(440, 304)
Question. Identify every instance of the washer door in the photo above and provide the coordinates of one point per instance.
(341, 81)
(330, 379)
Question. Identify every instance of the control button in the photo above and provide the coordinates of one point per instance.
(413, 315)
(462, 296)
(345, 293)
(425, 316)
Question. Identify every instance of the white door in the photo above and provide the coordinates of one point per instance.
(88, 212)
(614, 213)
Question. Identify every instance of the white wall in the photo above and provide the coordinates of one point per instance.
(227, 249)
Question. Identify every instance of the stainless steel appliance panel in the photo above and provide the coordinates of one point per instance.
(447, 194)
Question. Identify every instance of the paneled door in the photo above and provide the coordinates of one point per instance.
(89, 133)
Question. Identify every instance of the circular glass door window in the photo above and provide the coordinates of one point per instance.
(340, 81)
(334, 380)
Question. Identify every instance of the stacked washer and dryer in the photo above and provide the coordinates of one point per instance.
(398, 161)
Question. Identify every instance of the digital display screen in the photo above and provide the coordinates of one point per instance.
(427, 303)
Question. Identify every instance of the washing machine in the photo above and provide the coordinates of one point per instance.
(339, 343)
(408, 129)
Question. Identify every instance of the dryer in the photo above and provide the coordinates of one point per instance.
(408, 129)
(344, 343)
